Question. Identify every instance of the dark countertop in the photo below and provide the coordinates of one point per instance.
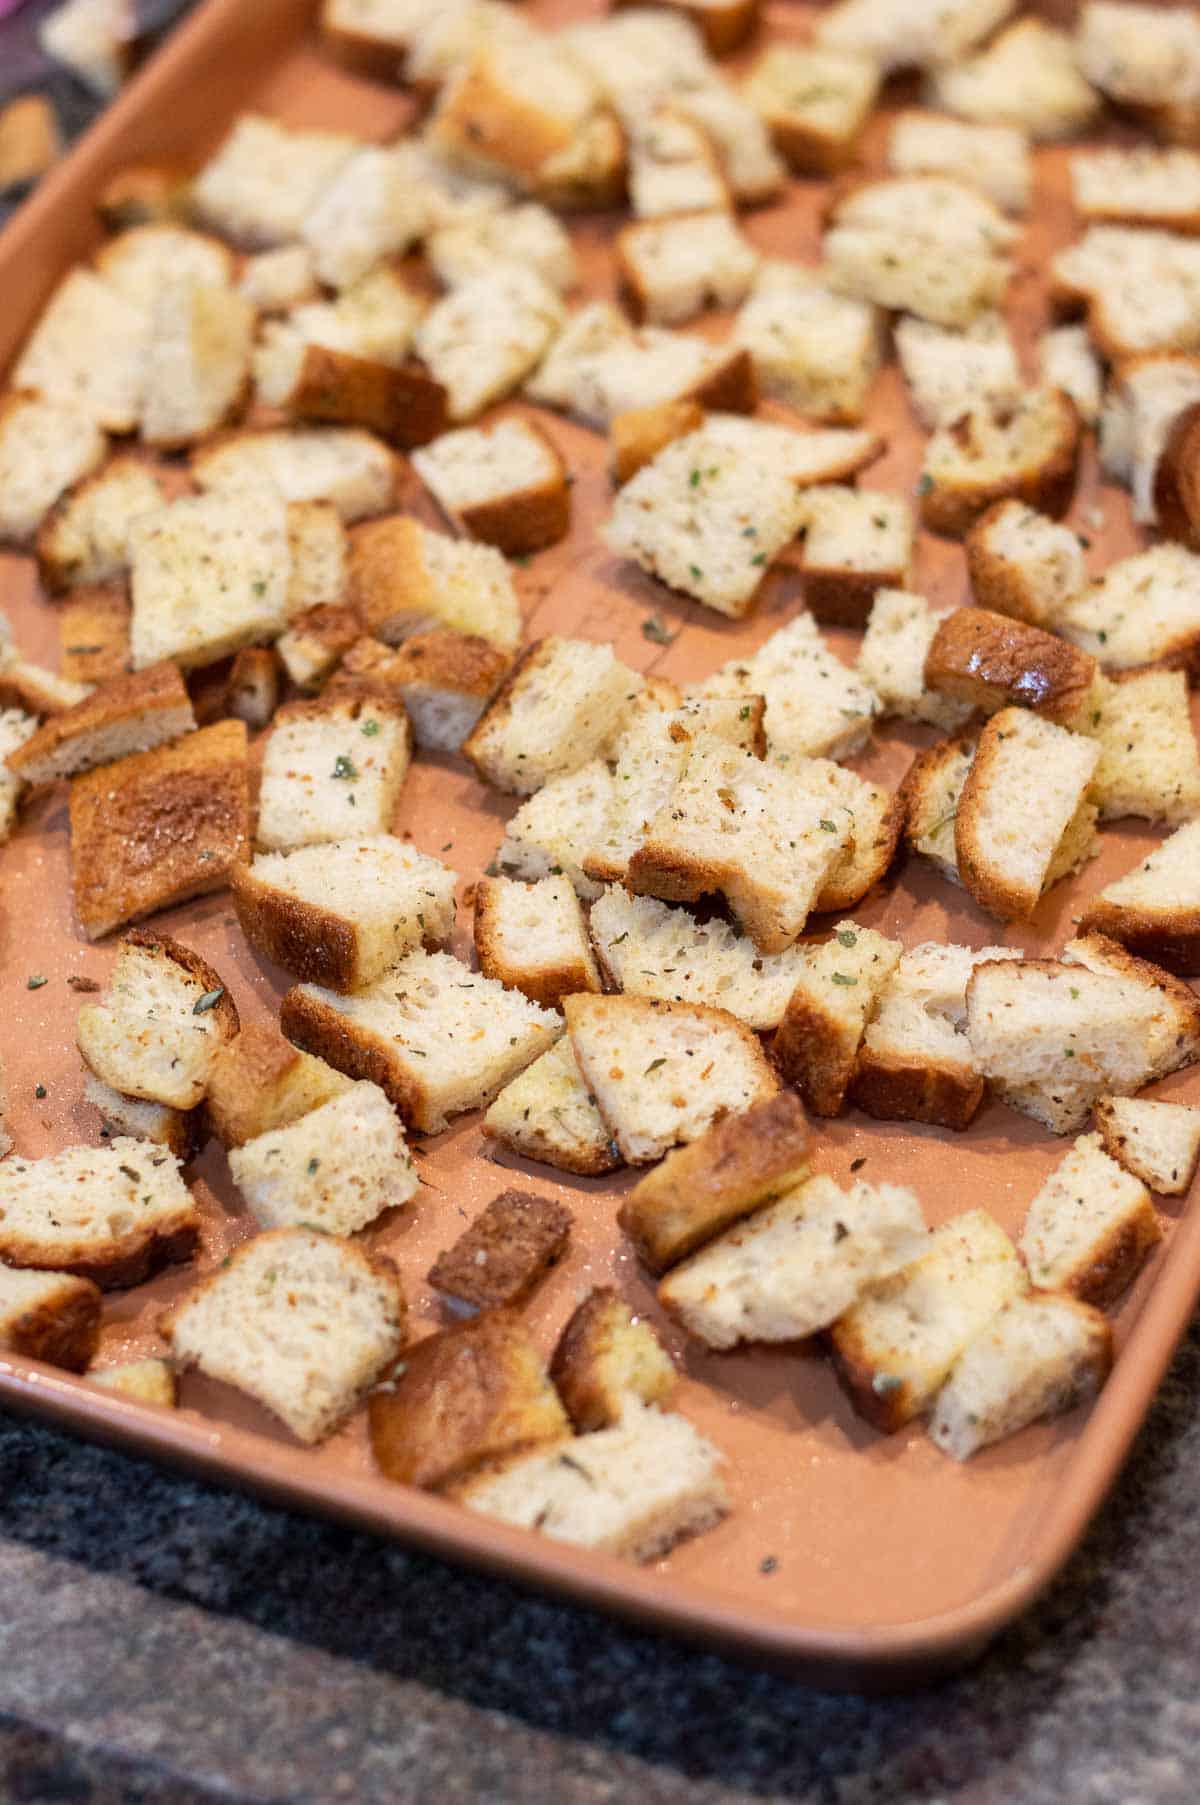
(166, 1643)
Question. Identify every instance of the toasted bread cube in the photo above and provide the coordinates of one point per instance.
(546, 1114)
(815, 103)
(45, 447)
(663, 1073)
(599, 367)
(94, 39)
(1027, 450)
(342, 465)
(1039, 1357)
(260, 1082)
(32, 688)
(894, 1349)
(16, 727)
(115, 1214)
(723, 24)
(1138, 54)
(504, 484)
(140, 262)
(1150, 395)
(1027, 77)
(927, 245)
(605, 1359)
(515, 99)
(1090, 1227)
(931, 792)
(557, 709)
(1067, 361)
(132, 714)
(815, 350)
(319, 552)
(444, 679)
(252, 692)
(29, 141)
(374, 319)
(343, 912)
(482, 339)
(87, 354)
(208, 575)
(994, 157)
(198, 363)
(673, 269)
(93, 634)
(856, 542)
(817, 707)
(556, 828)
(1024, 565)
(891, 660)
(85, 537)
(1140, 187)
(737, 1166)
(989, 661)
(1136, 286)
(315, 643)
(159, 827)
(264, 182)
(838, 988)
(305, 1323)
(1154, 909)
(471, 1395)
(1157, 1142)
(529, 235)
(875, 817)
(369, 212)
(145, 1381)
(335, 1168)
(330, 769)
(159, 1027)
(178, 1130)
(752, 169)
(910, 34)
(406, 579)
(637, 436)
(49, 1316)
(437, 1037)
(277, 280)
(533, 938)
(587, 334)
(1143, 610)
(950, 373)
(501, 1257)
(673, 166)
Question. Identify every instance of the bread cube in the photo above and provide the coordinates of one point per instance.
(1157, 1142)
(93, 635)
(856, 541)
(274, 281)
(994, 157)
(1024, 565)
(159, 1027)
(555, 829)
(910, 34)
(817, 707)
(369, 212)
(599, 367)
(1139, 187)
(533, 938)
(320, 553)
(178, 1130)
(504, 1253)
(557, 709)
(673, 269)
(331, 769)
(208, 575)
(145, 1381)
(45, 447)
(1067, 361)
(335, 1168)
(1027, 450)
(1090, 1227)
(891, 660)
(49, 1316)
(1136, 286)
(815, 103)
(1144, 610)
(814, 350)
(198, 362)
(444, 680)
(838, 986)
(951, 372)
(85, 537)
(342, 465)
(673, 166)
(529, 235)
(1154, 909)
(605, 1358)
(87, 354)
(265, 180)
(546, 1114)
(405, 579)
(16, 727)
(988, 661)
(134, 713)
(315, 643)
(482, 339)
(1027, 77)
(505, 484)
(260, 1082)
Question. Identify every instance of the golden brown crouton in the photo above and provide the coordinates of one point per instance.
(252, 690)
(50, 1316)
(93, 633)
(637, 436)
(144, 194)
(444, 679)
(534, 938)
(605, 1356)
(260, 1081)
(134, 713)
(992, 662)
(403, 404)
(506, 1250)
(29, 140)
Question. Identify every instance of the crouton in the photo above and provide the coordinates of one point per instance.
(264, 181)
(482, 339)
(1067, 361)
(876, 818)
(335, 1168)
(534, 939)
(1039, 1357)
(374, 319)
(405, 579)
(837, 991)
(45, 447)
(444, 680)
(312, 381)
(891, 660)
(16, 728)
(342, 913)
(142, 262)
(949, 373)
(1027, 77)
(599, 367)
(1142, 186)
(856, 542)
(513, 104)
(87, 354)
(994, 157)
(198, 366)
(178, 1130)
(331, 769)
(31, 688)
(673, 269)
(673, 166)
(144, 194)
(1154, 909)
(132, 714)
(910, 34)
(605, 1358)
(546, 1114)
(343, 465)
(738, 134)
(115, 1214)
(1144, 610)
(145, 1381)
(1023, 565)
(505, 484)
(557, 709)
(315, 644)
(557, 827)
(437, 1037)
(29, 141)
(369, 212)
(1140, 56)
(1026, 450)
(208, 575)
(260, 1082)
(529, 235)
(894, 1349)
(989, 661)
(1090, 1228)
(159, 827)
(320, 553)
(305, 1323)
(157, 1030)
(610, 1035)
(470, 1395)
(723, 24)
(85, 537)
(815, 350)
(931, 792)
(816, 706)
(814, 102)
(637, 436)
(1175, 498)
(501, 1257)
(49, 1316)
(1158, 1143)
(1138, 288)
(94, 39)
(1146, 398)
(93, 636)
(1149, 760)
(274, 281)
(252, 691)
(739, 1165)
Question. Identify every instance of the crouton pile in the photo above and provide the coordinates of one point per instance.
(280, 453)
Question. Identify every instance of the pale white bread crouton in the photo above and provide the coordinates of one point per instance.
(894, 1349)
(87, 352)
(513, 104)
(343, 912)
(723, 24)
(175, 1129)
(342, 465)
(1154, 909)
(1026, 450)
(547, 1114)
(1067, 361)
(335, 1169)
(331, 769)
(115, 1214)
(276, 280)
(1140, 289)
(45, 447)
(533, 938)
(673, 269)
(374, 320)
(814, 102)
(15, 728)
(994, 157)
(94, 39)
(931, 792)
(907, 34)
(1149, 759)
(1146, 397)
(738, 133)
(1026, 792)
(1039, 1357)
(261, 186)
(600, 367)
(1140, 186)
(838, 986)
(160, 1025)
(301, 1321)
(450, 194)
(131, 714)
(915, 1063)
(1144, 610)
(49, 1316)
(1090, 1228)
(592, 329)
(673, 166)
(85, 537)
(816, 706)
(639, 53)
(530, 235)
(436, 1036)
(951, 372)
(1176, 1037)
(795, 1266)
(664, 1073)
(922, 244)
(1028, 77)
(891, 660)
(856, 542)
(208, 574)
(147, 1381)
(813, 349)
(260, 1082)
(633, 1490)
(405, 579)
(482, 339)
(988, 660)
(808, 458)
(558, 826)
(647, 948)
(1157, 1142)
(765, 837)
(144, 260)
(445, 681)
(1139, 53)
(607, 1358)
(558, 709)
(320, 554)
(504, 484)
(589, 172)
(875, 817)
(370, 211)
(1023, 564)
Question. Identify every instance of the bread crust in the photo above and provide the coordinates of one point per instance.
(996, 583)
(1177, 480)
(478, 117)
(810, 1048)
(223, 1012)
(838, 597)
(1145, 972)
(585, 1341)
(951, 509)
(157, 691)
(894, 1089)
(869, 861)
(316, 1027)
(637, 436)
(93, 633)
(1168, 937)
(55, 571)
(541, 982)
(403, 404)
(886, 1410)
(731, 388)
(992, 662)
(63, 1330)
(316, 945)
(501, 1257)
(526, 520)
(132, 1257)
(252, 689)
(1115, 1262)
(1007, 901)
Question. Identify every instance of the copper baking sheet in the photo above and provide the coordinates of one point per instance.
(888, 1562)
